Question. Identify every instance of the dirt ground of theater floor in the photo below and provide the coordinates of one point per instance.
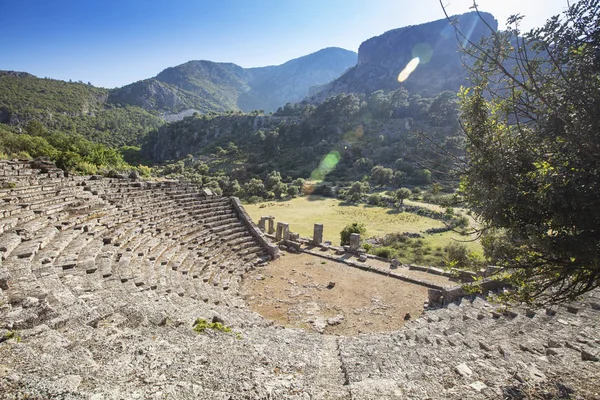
(295, 291)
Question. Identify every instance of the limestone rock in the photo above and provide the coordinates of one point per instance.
(338, 319)
(589, 356)
(463, 370)
(478, 385)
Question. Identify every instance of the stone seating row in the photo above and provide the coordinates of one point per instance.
(483, 348)
(153, 246)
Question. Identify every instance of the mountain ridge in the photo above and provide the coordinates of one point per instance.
(221, 86)
(382, 58)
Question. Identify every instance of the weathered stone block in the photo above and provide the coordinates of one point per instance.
(318, 234)
(434, 295)
(271, 228)
(283, 230)
(354, 241)
(262, 223)
(464, 370)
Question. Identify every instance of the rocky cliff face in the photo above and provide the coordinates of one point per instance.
(153, 95)
(382, 58)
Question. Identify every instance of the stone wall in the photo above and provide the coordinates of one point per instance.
(272, 249)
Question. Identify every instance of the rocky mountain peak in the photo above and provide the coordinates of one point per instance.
(381, 58)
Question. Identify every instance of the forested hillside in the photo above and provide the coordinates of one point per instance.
(391, 138)
(71, 108)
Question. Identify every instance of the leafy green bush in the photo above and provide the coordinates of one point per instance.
(354, 227)
(293, 191)
(253, 199)
(457, 255)
(144, 171)
(323, 190)
(201, 325)
(385, 252)
(375, 199)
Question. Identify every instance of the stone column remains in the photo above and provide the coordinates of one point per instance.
(354, 241)
(286, 231)
(283, 231)
(261, 223)
(318, 234)
(271, 229)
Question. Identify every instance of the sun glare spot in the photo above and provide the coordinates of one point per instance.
(410, 67)
(423, 51)
(328, 163)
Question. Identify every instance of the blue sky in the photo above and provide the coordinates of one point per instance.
(115, 42)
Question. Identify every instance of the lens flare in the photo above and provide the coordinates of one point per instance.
(410, 67)
(423, 51)
(328, 163)
(354, 135)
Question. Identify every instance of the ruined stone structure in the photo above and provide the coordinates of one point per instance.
(101, 281)
(318, 234)
(261, 224)
(283, 231)
(354, 241)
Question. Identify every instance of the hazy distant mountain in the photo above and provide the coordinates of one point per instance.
(382, 58)
(211, 86)
(273, 87)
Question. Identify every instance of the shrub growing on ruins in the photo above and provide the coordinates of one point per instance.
(355, 227)
(201, 325)
(385, 252)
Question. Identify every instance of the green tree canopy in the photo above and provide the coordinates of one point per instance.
(381, 176)
(533, 169)
(402, 194)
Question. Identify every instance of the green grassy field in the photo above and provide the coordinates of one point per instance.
(303, 212)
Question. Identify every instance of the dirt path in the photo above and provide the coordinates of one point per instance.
(293, 291)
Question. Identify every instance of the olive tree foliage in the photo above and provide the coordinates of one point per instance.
(402, 194)
(381, 176)
(532, 172)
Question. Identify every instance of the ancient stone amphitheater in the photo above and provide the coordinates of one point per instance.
(101, 281)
